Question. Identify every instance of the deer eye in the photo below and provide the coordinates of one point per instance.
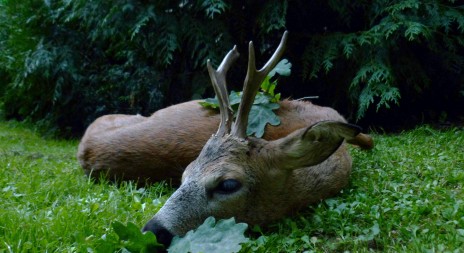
(228, 186)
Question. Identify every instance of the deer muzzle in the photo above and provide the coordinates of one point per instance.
(163, 235)
(185, 210)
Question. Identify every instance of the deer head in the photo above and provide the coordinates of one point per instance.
(250, 179)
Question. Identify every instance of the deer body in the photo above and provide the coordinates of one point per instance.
(159, 147)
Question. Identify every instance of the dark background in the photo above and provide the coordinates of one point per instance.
(384, 64)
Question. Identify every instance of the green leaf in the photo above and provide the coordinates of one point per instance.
(225, 237)
(261, 98)
(460, 232)
(268, 89)
(235, 98)
(266, 86)
(265, 102)
(370, 234)
(108, 243)
(260, 116)
(133, 239)
(210, 102)
(282, 68)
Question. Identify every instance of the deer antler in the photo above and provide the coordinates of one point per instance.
(253, 80)
(218, 80)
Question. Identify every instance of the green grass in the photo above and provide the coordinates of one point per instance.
(406, 195)
(47, 205)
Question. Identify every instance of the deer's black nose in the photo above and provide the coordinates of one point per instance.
(163, 235)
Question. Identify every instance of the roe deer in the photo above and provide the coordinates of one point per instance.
(256, 180)
(159, 147)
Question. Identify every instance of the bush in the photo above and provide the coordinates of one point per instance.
(383, 50)
(65, 63)
(71, 61)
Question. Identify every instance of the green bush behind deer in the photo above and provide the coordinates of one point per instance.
(69, 62)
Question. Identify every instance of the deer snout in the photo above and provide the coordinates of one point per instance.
(163, 235)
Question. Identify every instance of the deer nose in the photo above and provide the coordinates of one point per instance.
(163, 235)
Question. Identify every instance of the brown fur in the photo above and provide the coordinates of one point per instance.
(278, 178)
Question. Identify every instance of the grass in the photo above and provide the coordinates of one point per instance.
(406, 195)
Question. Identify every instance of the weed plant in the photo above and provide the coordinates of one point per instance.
(405, 195)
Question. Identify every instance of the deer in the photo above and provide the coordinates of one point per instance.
(259, 180)
(119, 147)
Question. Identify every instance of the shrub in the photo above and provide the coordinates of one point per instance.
(388, 48)
(71, 61)
(68, 62)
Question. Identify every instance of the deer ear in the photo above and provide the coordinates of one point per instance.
(312, 145)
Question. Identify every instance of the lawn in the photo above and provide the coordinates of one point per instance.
(405, 195)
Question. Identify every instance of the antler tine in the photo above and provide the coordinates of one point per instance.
(218, 80)
(253, 80)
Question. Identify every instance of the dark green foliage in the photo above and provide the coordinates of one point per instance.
(387, 49)
(71, 61)
(68, 62)
(64, 73)
(64, 63)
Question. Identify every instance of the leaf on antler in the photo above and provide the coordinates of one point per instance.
(210, 103)
(260, 116)
(261, 113)
(282, 68)
(268, 88)
(266, 101)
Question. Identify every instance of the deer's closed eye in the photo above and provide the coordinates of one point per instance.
(228, 186)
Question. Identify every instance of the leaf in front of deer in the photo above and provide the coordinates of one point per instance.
(260, 116)
(225, 236)
(134, 240)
